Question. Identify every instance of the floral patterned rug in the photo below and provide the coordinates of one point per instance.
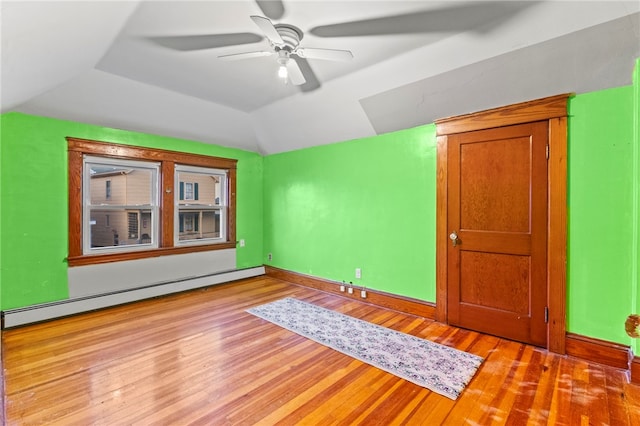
(436, 367)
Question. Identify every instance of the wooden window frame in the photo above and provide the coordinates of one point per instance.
(77, 148)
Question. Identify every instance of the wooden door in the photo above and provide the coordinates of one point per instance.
(497, 218)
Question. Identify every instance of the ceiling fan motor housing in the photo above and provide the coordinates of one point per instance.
(291, 36)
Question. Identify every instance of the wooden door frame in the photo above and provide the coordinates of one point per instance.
(554, 110)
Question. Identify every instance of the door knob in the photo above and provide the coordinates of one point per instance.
(454, 238)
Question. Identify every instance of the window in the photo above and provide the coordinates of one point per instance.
(133, 225)
(138, 202)
(186, 222)
(112, 218)
(201, 208)
(187, 191)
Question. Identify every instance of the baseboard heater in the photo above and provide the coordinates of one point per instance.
(47, 311)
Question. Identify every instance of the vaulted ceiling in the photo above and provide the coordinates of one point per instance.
(155, 66)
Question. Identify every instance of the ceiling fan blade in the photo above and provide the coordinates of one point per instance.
(273, 9)
(268, 29)
(327, 54)
(312, 82)
(465, 17)
(205, 41)
(295, 73)
(245, 55)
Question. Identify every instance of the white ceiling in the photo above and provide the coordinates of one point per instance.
(104, 63)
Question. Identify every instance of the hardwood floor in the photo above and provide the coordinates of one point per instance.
(199, 358)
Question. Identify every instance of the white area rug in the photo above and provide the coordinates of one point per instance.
(436, 367)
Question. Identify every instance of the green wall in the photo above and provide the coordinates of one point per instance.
(33, 193)
(600, 293)
(370, 203)
(636, 191)
(367, 203)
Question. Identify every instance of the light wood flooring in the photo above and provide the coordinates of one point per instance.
(199, 358)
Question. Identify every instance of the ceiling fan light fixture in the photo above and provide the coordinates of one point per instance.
(283, 60)
(284, 40)
(283, 73)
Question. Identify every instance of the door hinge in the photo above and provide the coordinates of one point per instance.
(547, 151)
(546, 315)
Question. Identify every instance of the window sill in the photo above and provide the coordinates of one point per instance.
(144, 254)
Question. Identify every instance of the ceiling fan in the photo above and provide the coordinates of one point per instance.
(285, 43)
(284, 39)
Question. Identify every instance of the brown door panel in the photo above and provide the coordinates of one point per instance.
(497, 208)
(513, 327)
(494, 242)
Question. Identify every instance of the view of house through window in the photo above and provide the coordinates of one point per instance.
(121, 204)
(201, 205)
(128, 202)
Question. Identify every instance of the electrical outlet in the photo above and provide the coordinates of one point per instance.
(363, 294)
(241, 243)
(342, 288)
(358, 273)
(350, 290)
(270, 257)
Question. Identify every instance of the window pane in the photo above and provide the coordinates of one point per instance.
(120, 185)
(201, 188)
(120, 227)
(198, 225)
(188, 191)
(120, 205)
(201, 208)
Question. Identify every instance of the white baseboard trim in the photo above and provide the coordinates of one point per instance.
(62, 308)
